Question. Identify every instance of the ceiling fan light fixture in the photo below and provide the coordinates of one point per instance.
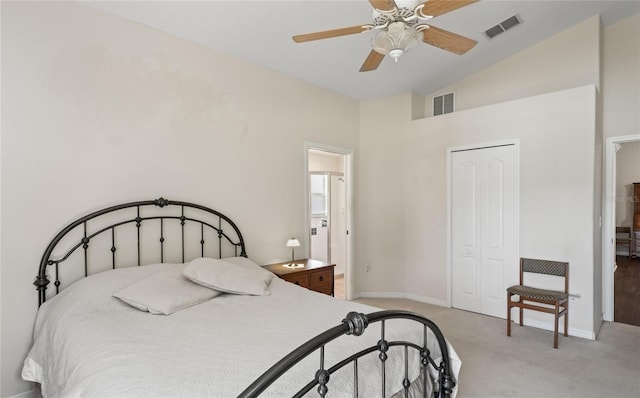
(395, 54)
(396, 40)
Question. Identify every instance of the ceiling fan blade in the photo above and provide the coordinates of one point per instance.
(439, 7)
(446, 40)
(372, 62)
(384, 5)
(328, 34)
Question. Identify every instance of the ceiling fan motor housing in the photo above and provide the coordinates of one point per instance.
(407, 11)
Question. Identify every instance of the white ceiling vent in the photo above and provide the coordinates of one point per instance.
(503, 26)
(443, 104)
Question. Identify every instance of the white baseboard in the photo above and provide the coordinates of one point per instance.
(427, 300)
(381, 295)
(585, 334)
(400, 295)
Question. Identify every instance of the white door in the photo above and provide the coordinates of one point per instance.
(483, 228)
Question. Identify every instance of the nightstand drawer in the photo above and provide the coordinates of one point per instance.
(327, 289)
(321, 278)
(298, 279)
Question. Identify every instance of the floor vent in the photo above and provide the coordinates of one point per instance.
(443, 104)
(503, 26)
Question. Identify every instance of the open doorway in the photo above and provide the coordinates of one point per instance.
(329, 191)
(622, 169)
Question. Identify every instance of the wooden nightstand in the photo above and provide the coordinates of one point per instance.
(315, 275)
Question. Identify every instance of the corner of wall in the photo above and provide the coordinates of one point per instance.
(597, 326)
(418, 106)
(598, 188)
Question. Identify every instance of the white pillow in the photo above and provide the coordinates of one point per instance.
(228, 277)
(245, 262)
(165, 293)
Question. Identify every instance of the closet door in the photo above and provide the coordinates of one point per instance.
(483, 228)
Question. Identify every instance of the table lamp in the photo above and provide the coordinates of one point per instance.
(293, 243)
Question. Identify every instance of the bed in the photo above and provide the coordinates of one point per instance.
(160, 299)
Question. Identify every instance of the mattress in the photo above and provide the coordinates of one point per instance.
(88, 343)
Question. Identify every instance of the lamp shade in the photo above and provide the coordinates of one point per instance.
(396, 40)
(293, 242)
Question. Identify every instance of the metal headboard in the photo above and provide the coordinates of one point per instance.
(202, 217)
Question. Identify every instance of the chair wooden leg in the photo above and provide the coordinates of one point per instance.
(508, 315)
(520, 301)
(555, 329)
(566, 319)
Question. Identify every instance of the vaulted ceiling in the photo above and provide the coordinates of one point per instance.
(260, 32)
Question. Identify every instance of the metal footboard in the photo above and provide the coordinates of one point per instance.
(355, 324)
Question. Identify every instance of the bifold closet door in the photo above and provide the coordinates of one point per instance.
(483, 228)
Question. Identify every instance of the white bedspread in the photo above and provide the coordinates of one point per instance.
(90, 344)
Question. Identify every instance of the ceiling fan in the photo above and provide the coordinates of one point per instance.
(401, 25)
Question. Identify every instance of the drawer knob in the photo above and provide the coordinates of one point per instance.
(321, 278)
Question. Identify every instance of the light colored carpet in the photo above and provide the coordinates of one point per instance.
(525, 364)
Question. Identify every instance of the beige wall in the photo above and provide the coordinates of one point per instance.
(583, 54)
(556, 191)
(556, 188)
(621, 77)
(566, 60)
(98, 110)
(380, 209)
(627, 172)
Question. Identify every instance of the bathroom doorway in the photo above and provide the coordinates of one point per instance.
(329, 213)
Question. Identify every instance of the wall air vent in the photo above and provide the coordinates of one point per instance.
(443, 104)
(503, 26)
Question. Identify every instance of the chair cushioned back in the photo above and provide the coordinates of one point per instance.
(544, 267)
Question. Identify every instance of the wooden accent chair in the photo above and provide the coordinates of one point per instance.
(556, 302)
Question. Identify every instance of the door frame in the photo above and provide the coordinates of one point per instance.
(349, 274)
(470, 147)
(608, 221)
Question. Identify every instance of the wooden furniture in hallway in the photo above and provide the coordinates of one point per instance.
(629, 237)
(624, 238)
(635, 228)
